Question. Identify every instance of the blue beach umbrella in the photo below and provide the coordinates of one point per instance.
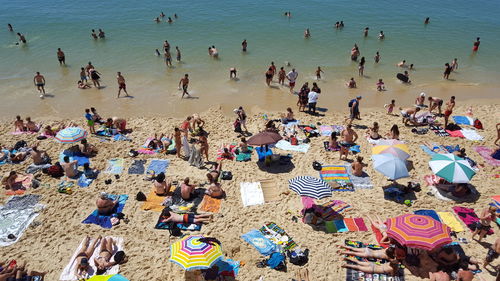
(310, 187)
(390, 166)
(71, 135)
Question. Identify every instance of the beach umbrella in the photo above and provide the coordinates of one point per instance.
(192, 254)
(71, 135)
(264, 138)
(390, 166)
(389, 142)
(399, 150)
(310, 187)
(115, 277)
(417, 231)
(451, 168)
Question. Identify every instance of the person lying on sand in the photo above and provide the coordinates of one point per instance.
(214, 188)
(380, 225)
(390, 268)
(17, 157)
(82, 258)
(103, 261)
(162, 187)
(370, 253)
(186, 218)
(187, 190)
(105, 205)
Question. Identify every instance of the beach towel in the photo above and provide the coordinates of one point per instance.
(486, 153)
(471, 135)
(228, 267)
(429, 213)
(163, 224)
(427, 150)
(260, 242)
(362, 182)
(269, 190)
(137, 167)
(360, 223)
(104, 221)
(251, 194)
(439, 131)
(463, 120)
(378, 236)
(115, 166)
(83, 181)
(455, 134)
(326, 145)
(351, 224)
(278, 236)
(325, 130)
(263, 153)
(448, 196)
(181, 206)
(337, 174)
(145, 148)
(450, 220)
(21, 184)
(15, 217)
(285, 145)
(340, 225)
(468, 216)
(121, 137)
(393, 193)
(158, 166)
(68, 272)
(81, 160)
(332, 210)
(231, 149)
(195, 157)
(210, 204)
(244, 156)
(153, 202)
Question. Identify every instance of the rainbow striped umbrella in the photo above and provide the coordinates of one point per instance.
(192, 254)
(115, 277)
(418, 231)
(71, 135)
(399, 150)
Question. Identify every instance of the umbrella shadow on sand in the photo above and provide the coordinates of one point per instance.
(278, 167)
(398, 193)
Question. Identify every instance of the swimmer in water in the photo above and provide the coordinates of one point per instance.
(162, 15)
(232, 73)
(307, 33)
(475, 48)
(365, 32)
(9, 26)
(244, 45)
(21, 38)
(101, 34)
(411, 66)
(341, 24)
(337, 25)
(402, 64)
(427, 20)
(381, 35)
(93, 34)
(215, 53)
(175, 16)
(377, 57)
(157, 19)
(170, 20)
(318, 73)
(351, 84)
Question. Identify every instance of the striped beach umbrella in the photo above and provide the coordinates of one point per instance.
(71, 135)
(114, 277)
(417, 231)
(390, 166)
(451, 168)
(310, 187)
(192, 254)
(399, 150)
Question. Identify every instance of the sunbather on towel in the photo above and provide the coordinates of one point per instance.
(162, 187)
(187, 190)
(11, 180)
(105, 205)
(214, 189)
(19, 271)
(379, 223)
(103, 261)
(39, 157)
(367, 252)
(243, 146)
(390, 268)
(357, 166)
(89, 172)
(186, 218)
(17, 157)
(458, 190)
(82, 258)
(87, 149)
(70, 168)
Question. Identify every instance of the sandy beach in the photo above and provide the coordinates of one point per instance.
(49, 245)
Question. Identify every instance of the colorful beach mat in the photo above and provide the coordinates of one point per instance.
(450, 220)
(115, 166)
(362, 182)
(337, 176)
(469, 217)
(278, 236)
(430, 213)
(16, 216)
(153, 202)
(210, 204)
(486, 153)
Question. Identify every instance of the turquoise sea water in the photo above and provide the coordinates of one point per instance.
(132, 37)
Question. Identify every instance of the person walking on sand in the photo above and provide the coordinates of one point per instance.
(292, 77)
(121, 84)
(244, 45)
(449, 110)
(447, 70)
(281, 76)
(60, 57)
(318, 73)
(39, 82)
(476, 44)
(185, 83)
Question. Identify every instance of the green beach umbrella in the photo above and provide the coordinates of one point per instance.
(451, 168)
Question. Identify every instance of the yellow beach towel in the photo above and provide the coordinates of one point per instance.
(450, 220)
(153, 202)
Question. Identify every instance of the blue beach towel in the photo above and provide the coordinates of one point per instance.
(463, 120)
(340, 225)
(81, 159)
(83, 181)
(260, 242)
(429, 213)
(262, 153)
(105, 221)
(158, 166)
(427, 150)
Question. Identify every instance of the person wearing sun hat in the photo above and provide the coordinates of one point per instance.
(420, 100)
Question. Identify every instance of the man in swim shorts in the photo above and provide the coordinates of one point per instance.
(185, 83)
(349, 138)
(60, 57)
(39, 82)
(292, 77)
(186, 218)
(449, 110)
(121, 84)
(493, 253)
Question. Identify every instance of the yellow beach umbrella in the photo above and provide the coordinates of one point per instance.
(400, 150)
(114, 277)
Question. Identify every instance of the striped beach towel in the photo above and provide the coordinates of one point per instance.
(277, 235)
(338, 175)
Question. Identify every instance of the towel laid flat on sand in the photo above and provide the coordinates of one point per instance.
(105, 220)
(449, 219)
(251, 194)
(471, 135)
(448, 196)
(463, 120)
(181, 206)
(68, 272)
(468, 216)
(81, 160)
(16, 216)
(115, 166)
(137, 167)
(153, 202)
(325, 130)
(285, 145)
(338, 175)
(158, 166)
(362, 182)
(278, 236)
(260, 242)
(210, 204)
(429, 213)
(340, 225)
(269, 190)
(486, 153)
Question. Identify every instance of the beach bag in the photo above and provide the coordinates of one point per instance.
(298, 257)
(173, 229)
(277, 261)
(317, 166)
(140, 196)
(55, 171)
(227, 175)
(351, 102)
(478, 125)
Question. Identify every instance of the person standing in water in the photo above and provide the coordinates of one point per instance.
(281, 76)
(244, 45)
(232, 73)
(168, 59)
(292, 77)
(93, 34)
(307, 33)
(475, 47)
(361, 67)
(178, 53)
(377, 57)
(60, 57)
(381, 35)
(269, 76)
(447, 70)
(365, 32)
(21, 38)
(9, 26)
(83, 75)
(101, 34)
(318, 73)
(454, 64)
(185, 83)
(121, 84)
(39, 82)
(273, 69)
(427, 20)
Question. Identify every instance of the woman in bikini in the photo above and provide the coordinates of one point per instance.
(390, 268)
(82, 258)
(373, 131)
(103, 261)
(380, 225)
(214, 189)
(162, 187)
(202, 139)
(393, 133)
(333, 144)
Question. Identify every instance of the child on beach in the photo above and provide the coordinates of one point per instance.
(82, 85)
(380, 85)
(90, 121)
(318, 73)
(390, 107)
